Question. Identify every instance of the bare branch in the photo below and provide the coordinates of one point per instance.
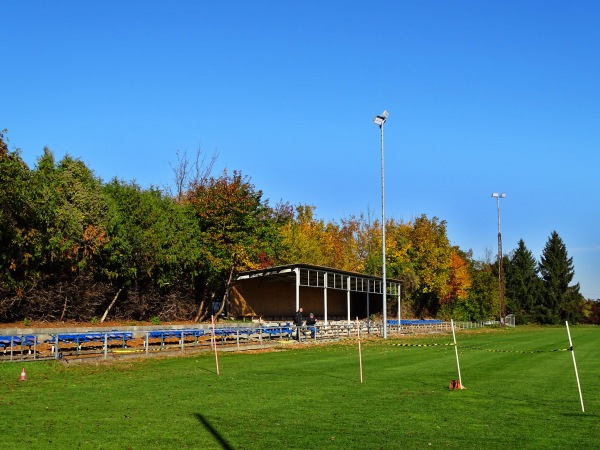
(187, 174)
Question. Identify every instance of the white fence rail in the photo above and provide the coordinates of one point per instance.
(77, 344)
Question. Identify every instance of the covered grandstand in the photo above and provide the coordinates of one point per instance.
(275, 293)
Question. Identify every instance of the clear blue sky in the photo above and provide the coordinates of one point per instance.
(484, 96)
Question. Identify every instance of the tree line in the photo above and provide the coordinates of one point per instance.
(76, 248)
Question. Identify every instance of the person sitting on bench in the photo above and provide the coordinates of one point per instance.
(310, 324)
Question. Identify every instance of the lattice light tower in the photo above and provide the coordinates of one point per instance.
(498, 196)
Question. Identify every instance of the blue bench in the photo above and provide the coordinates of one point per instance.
(278, 330)
(163, 335)
(174, 334)
(225, 332)
(83, 338)
(14, 341)
(415, 322)
(167, 334)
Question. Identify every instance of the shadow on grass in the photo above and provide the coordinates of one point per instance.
(209, 370)
(208, 426)
(351, 379)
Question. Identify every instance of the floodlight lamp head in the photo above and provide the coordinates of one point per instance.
(495, 195)
(380, 120)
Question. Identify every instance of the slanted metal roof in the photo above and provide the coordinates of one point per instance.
(320, 276)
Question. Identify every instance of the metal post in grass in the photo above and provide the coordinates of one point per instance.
(575, 365)
(212, 318)
(456, 352)
(359, 350)
(182, 340)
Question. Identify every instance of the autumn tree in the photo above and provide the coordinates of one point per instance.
(430, 253)
(3, 144)
(17, 220)
(54, 230)
(302, 237)
(459, 283)
(238, 228)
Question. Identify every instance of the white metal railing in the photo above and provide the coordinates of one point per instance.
(237, 336)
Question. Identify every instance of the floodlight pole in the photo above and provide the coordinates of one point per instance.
(380, 121)
(498, 196)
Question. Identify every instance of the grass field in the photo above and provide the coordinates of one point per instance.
(519, 394)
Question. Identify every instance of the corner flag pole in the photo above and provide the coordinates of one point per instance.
(359, 350)
(575, 365)
(214, 338)
(456, 352)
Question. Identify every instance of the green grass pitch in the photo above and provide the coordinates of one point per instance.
(519, 394)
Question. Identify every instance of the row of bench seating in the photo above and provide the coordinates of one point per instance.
(99, 337)
(409, 322)
(7, 342)
(82, 338)
(85, 341)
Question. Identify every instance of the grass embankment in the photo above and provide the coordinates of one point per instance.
(311, 397)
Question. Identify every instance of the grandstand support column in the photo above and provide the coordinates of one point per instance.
(368, 301)
(325, 299)
(399, 308)
(297, 270)
(348, 299)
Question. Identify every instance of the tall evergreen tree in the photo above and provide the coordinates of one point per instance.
(523, 285)
(560, 301)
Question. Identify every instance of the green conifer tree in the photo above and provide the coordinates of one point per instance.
(560, 301)
(523, 285)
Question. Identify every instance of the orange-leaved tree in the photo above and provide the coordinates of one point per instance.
(238, 228)
(430, 256)
(458, 284)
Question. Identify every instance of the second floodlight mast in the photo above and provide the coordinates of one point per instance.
(498, 196)
(380, 120)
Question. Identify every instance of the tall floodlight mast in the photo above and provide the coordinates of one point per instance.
(500, 268)
(380, 121)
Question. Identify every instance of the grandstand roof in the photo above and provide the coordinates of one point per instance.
(321, 276)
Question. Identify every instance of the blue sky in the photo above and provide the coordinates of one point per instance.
(484, 96)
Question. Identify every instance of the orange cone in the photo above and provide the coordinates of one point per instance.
(23, 375)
